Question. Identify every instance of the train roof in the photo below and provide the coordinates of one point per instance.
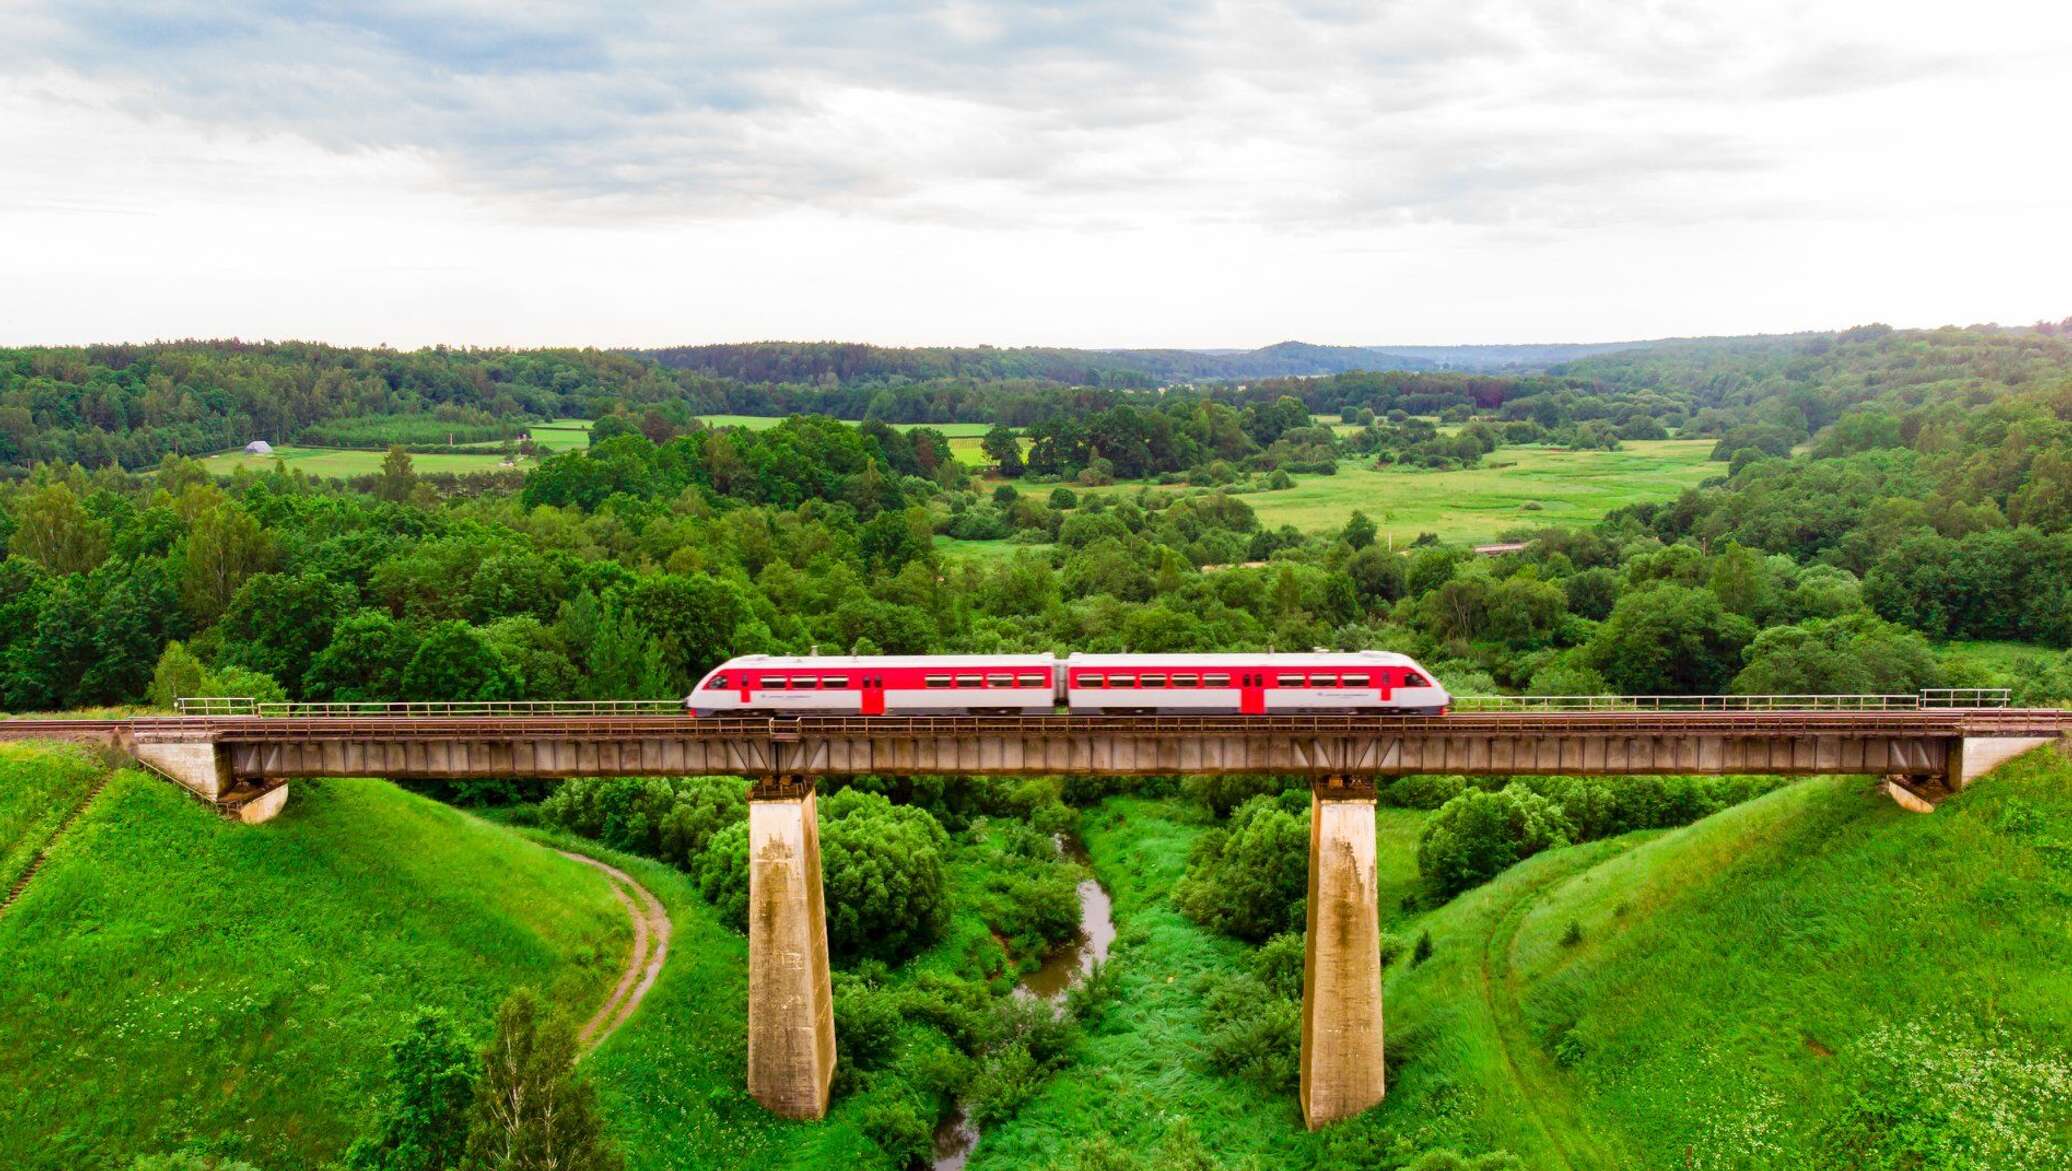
(1253, 659)
(858, 661)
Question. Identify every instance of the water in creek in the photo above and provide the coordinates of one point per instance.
(1061, 969)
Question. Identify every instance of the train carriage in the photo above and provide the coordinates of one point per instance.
(1115, 684)
(1251, 684)
(875, 685)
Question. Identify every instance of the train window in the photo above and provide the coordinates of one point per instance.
(1122, 681)
(938, 680)
(999, 681)
(968, 681)
(805, 683)
(1151, 681)
(1216, 680)
(719, 683)
(1413, 679)
(834, 681)
(1352, 680)
(1033, 681)
(1092, 681)
(1187, 681)
(1289, 680)
(1323, 680)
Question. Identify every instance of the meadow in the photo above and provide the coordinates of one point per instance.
(170, 978)
(340, 463)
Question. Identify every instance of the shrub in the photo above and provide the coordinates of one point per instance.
(892, 1121)
(1251, 1031)
(1249, 879)
(1422, 790)
(1423, 950)
(1478, 834)
(670, 818)
(1573, 936)
(881, 869)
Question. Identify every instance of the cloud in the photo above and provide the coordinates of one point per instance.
(1466, 111)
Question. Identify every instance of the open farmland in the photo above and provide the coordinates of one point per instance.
(339, 463)
(1477, 504)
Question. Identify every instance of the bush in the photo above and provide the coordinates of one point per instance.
(670, 818)
(892, 1121)
(881, 869)
(1478, 834)
(1250, 1031)
(1250, 878)
(1423, 950)
(1422, 790)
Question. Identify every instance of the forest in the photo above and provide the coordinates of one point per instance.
(1883, 502)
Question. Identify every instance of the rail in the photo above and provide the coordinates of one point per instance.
(1933, 699)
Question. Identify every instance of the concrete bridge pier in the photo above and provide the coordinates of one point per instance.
(791, 1015)
(1341, 966)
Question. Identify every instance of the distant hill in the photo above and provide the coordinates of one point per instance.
(809, 362)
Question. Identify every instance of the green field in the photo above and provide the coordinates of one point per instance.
(561, 435)
(1477, 504)
(1804, 980)
(171, 978)
(340, 463)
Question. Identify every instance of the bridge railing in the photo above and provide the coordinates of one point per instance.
(529, 707)
(1938, 698)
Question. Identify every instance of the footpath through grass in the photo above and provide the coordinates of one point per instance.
(39, 785)
(171, 978)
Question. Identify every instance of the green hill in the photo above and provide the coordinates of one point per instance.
(1813, 978)
(170, 978)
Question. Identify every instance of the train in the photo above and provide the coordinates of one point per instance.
(1243, 684)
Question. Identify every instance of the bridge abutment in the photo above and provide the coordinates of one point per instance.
(791, 1018)
(1341, 969)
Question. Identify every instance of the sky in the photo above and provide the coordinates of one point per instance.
(621, 173)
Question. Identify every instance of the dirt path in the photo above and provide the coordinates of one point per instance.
(650, 949)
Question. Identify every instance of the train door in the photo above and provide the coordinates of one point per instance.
(873, 696)
(1252, 693)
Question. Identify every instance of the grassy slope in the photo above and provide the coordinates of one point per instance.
(1731, 979)
(1730, 1017)
(672, 1079)
(39, 785)
(169, 976)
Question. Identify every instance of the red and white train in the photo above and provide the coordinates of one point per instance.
(924, 685)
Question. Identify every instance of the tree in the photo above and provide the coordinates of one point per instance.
(1669, 640)
(1359, 531)
(225, 545)
(424, 1118)
(454, 662)
(363, 662)
(1859, 654)
(278, 622)
(1004, 448)
(398, 477)
(54, 530)
(177, 674)
(531, 1112)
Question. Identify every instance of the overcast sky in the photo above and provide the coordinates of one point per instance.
(518, 172)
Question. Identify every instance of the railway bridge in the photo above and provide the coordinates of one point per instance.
(242, 757)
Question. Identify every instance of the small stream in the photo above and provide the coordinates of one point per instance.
(1061, 969)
